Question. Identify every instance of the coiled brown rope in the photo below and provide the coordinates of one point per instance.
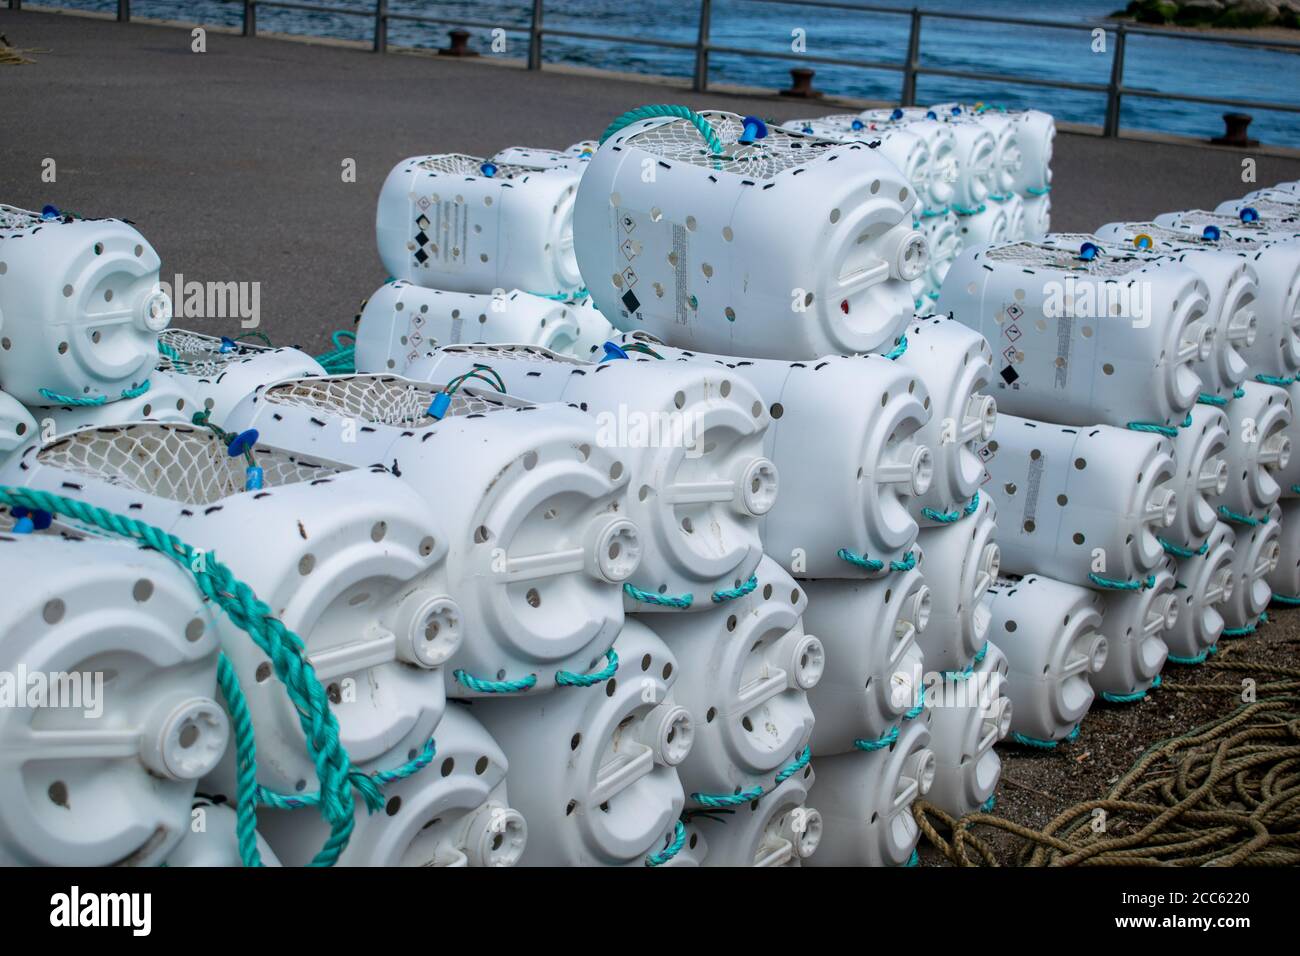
(1224, 794)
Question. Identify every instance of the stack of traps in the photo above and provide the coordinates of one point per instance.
(1143, 463)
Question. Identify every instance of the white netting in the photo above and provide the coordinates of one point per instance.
(192, 353)
(835, 126)
(1034, 256)
(461, 164)
(381, 399)
(517, 353)
(13, 219)
(184, 464)
(1276, 209)
(764, 158)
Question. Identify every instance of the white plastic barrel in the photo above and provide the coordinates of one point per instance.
(1055, 320)
(1038, 214)
(467, 224)
(985, 225)
(594, 330)
(954, 363)
(865, 801)
(599, 763)
(962, 560)
(17, 426)
(973, 714)
(1035, 137)
(1051, 635)
(1134, 624)
(1200, 476)
(691, 436)
(212, 838)
(708, 252)
(942, 172)
(221, 371)
(530, 505)
(454, 811)
(781, 829)
(943, 235)
(80, 307)
(1258, 453)
(1256, 556)
(1084, 505)
(747, 668)
(1014, 207)
(1206, 583)
(110, 658)
(870, 630)
(1285, 578)
(402, 322)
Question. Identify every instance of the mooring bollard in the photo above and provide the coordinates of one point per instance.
(459, 44)
(1234, 133)
(801, 84)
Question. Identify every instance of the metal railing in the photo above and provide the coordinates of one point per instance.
(910, 67)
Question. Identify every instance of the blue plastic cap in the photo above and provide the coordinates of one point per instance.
(808, 130)
(857, 124)
(253, 477)
(488, 169)
(931, 114)
(1088, 251)
(755, 128)
(23, 526)
(1249, 214)
(228, 344)
(42, 519)
(612, 351)
(50, 212)
(438, 407)
(1211, 233)
(956, 111)
(242, 442)
(897, 114)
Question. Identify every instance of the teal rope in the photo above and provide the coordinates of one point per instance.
(343, 359)
(900, 347)
(1227, 514)
(570, 679)
(297, 801)
(673, 848)
(282, 646)
(988, 805)
(1216, 400)
(717, 800)
(732, 593)
(495, 686)
(966, 211)
(1046, 744)
(1180, 552)
(1035, 191)
(246, 788)
(794, 767)
(947, 517)
(1248, 629)
(1167, 430)
(969, 669)
(880, 743)
(127, 393)
(871, 564)
(659, 600)
(1130, 698)
(919, 709)
(1286, 600)
(705, 128)
(914, 859)
(1115, 585)
(1198, 659)
(931, 213)
(578, 293)
(1275, 380)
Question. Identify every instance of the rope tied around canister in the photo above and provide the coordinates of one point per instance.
(948, 517)
(906, 563)
(719, 800)
(701, 124)
(342, 359)
(672, 849)
(1113, 584)
(96, 401)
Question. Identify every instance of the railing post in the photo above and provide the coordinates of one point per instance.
(15, 4)
(701, 80)
(250, 18)
(913, 60)
(535, 38)
(381, 26)
(1116, 83)
(123, 11)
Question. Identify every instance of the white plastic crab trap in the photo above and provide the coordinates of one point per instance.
(574, 157)
(1056, 316)
(963, 730)
(1256, 555)
(462, 223)
(1258, 453)
(691, 435)
(594, 330)
(733, 238)
(1134, 624)
(530, 503)
(1037, 215)
(110, 656)
(986, 225)
(17, 427)
(781, 829)
(1006, 160)
(221, 371)
(944, 237)
(1051, 636)
(600, 761)
(453, 810)
(401, 323)
(863, 473)
(1276, 208)
(870, 630)
(747, 668)
(976, 152)
(1284, 580)
(348, 559)
(1205, 576)
(938, 183)
(1083, 505)
(1200, 477)
(962, 560)
(955, 365)
(865, 800)
(80, 307)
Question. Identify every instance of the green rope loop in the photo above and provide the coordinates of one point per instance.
(730, 594)
(495, 686)
(1287, 600)
(915, 859)
(1207, 399)
(966, 672)
(127, 393)
(578, 293)
(1248, 629)
(343, 359)
(931, 213)
(570, 679)
(362, 781)
(900, 347)
(967, 211)
(795, 766)
(659, 600)
(1130, 698)
(672, 849)
(1034, 742)
(1168, 431)
(907, 563)
(718, 800)
(948, 517)
(988, 805)
(1227, 514)
(704, 127)
(1116, 585)
(1035, 191)
(880, 743)
(1275, 380)
(919, 709)
(1198, 659)
(1181, 552)
(282, 646)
